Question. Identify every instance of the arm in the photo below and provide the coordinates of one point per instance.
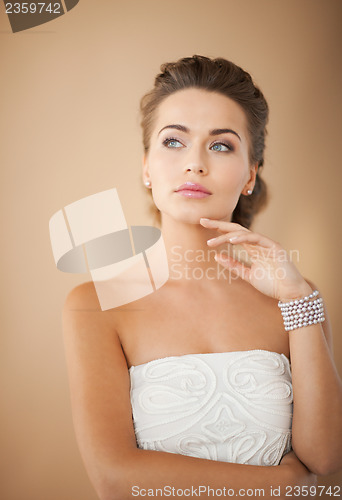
(100, 397)
(317, 388)
(317, 396)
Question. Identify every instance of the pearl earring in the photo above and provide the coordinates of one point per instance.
(147, 183)
(249, 191)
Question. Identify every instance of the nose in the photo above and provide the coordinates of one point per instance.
(195, 163)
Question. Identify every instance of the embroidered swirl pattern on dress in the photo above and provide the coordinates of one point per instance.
(232, 406)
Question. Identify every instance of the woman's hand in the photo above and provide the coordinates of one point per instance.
(271, 272)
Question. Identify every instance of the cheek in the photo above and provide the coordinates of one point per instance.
(162, 177)
(232, 178)
(162, 167)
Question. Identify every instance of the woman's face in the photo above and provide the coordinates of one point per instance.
(199, 137)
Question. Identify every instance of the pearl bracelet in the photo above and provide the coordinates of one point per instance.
(302, 312)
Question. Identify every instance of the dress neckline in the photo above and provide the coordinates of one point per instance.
(179, 356)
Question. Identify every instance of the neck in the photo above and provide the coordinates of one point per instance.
(190, 259)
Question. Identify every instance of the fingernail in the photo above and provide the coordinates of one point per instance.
(233, 238)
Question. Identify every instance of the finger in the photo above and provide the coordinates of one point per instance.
(218, 240)
(253, 238)
(221, 224)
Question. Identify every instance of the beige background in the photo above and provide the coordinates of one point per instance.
(70, 92)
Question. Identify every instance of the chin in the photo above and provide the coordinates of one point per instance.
(190, 216)
(190, 213)
(186, 218)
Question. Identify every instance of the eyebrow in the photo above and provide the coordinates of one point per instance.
(215, 131)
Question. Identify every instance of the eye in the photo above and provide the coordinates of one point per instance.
(172, 142)
(218, 147)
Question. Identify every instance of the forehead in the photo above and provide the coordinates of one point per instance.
(201, 109)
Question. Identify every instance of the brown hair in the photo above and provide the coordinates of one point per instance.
(224, 77)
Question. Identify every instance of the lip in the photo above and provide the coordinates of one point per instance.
(192, 187)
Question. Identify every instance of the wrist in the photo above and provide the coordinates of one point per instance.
(300, 292)
(302, 311)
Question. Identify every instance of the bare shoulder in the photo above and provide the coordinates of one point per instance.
(326, 325)
(82, 297)
(82, 316)
(82, 301)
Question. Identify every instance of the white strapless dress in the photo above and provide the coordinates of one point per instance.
(231, 406)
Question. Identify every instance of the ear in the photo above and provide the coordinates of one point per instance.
(252, 175)
(145, 168)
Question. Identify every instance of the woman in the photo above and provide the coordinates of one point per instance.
(203, 363)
